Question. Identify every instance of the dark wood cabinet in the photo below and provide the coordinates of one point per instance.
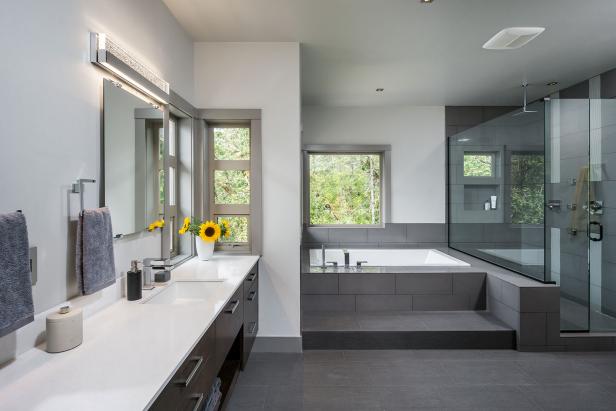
(224, 347)
(251, 312)
(191, 383)
(228, 325)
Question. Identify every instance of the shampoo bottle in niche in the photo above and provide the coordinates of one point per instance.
(133, 282)
(493, 202)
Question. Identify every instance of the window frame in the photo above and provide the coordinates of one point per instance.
(491, 154)
(252, 210)
(384, 151)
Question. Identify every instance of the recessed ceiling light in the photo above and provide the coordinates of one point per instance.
(552, 83)
(512, 38)
(380, 90)
(463, 140)
(426, 1)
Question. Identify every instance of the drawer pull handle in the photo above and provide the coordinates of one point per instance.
(253, 328)
(199, 398)
(252, 295)
(231, 310)
(186, 381)
(252, 277)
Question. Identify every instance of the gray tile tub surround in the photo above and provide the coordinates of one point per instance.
(530, 307)
(383, 291)
(419, 235)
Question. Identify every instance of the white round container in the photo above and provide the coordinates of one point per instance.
(64, 329)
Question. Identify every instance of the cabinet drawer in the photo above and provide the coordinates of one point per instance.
(228, 324)
(195, 375)
(251, 320)
(251, 279)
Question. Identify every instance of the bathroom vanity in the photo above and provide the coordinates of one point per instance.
(160, 353)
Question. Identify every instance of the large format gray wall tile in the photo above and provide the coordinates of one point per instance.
(426, 233)
(432, 283)
(358, 283)
(383, 302)
(348, 235)
(328, 302)
(392, 233)
(440, 302)
(315, 283)
(474, 286)
(532, 330)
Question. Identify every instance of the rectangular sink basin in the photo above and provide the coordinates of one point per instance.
(187, 292)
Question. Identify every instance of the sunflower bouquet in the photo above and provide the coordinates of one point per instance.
(208, 231)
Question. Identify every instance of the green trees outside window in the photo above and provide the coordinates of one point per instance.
(527, 185)
(345, 189)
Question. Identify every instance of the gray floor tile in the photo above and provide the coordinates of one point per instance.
(486, 372)
(408, 372)
(563, 370)
(427, 379)
(571, 397)
(246, 397)
(276, 372)
(335, 373)
(341, 398)
(498, 397)
(417, 396)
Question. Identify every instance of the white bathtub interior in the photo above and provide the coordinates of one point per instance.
(387, 257)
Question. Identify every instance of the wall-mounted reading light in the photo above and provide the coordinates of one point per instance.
(109, 55)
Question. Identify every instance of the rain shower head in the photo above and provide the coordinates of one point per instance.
(525, 109)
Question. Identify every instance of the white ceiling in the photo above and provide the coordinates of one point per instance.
(421, 54)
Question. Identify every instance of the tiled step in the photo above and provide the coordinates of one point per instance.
(404, 330)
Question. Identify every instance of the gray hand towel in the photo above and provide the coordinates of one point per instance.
(95, 264)
(16, 308)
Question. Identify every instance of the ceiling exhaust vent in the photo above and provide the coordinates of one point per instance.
(513, 38)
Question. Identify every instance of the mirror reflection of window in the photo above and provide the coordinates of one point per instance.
(132, 159)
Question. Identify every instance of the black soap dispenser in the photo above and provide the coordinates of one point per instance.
(133, 282)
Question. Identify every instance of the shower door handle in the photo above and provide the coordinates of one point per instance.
(600, 233)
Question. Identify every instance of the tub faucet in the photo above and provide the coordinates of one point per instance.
(323, 264)
(346, 258)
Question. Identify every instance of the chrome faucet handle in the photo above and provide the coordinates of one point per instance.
(333, 263)
(359, 263)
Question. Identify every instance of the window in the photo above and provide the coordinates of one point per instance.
(172, 182)
(527, 183)
(230, 192)
(345, 188)
(479, 164)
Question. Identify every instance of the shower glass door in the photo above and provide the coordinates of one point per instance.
(579, 233)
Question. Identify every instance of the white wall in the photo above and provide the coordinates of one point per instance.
(50, 132)
(266, 76)
(417, 137)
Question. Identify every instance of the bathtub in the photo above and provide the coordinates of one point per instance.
(388, 257)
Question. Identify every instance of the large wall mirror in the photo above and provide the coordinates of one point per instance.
(148, 167)
(133, 160)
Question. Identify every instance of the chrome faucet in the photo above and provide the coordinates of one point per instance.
(323, 264)
(150, 264)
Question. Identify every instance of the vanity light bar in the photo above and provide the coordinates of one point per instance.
(108, 54)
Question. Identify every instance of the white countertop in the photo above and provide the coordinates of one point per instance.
(129, 352)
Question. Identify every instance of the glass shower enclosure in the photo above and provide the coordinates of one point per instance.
(534, 191)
